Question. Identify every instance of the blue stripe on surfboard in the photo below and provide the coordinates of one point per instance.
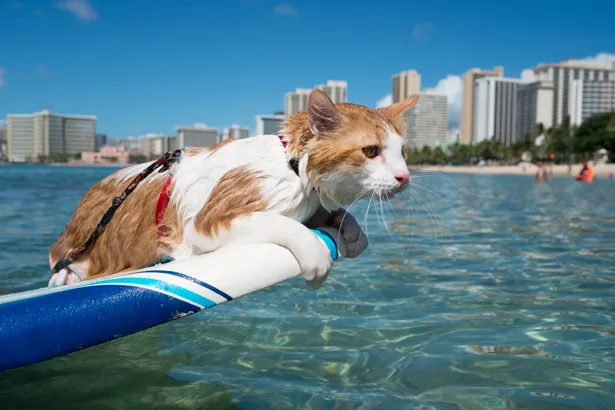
(195, 280)
(183, 293)
(58, 323)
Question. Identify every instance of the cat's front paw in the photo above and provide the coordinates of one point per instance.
(354, 238)
(315, 261)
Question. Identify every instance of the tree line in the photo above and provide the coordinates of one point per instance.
(559, 144)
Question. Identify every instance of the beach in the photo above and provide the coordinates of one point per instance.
(601, 170)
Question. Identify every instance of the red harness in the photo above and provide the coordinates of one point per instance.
(161, 207)
(163, 198)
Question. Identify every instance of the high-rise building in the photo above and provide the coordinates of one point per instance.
(101, 140)
(269, 124)
(467, 102)
(154, 145)
(562, 75)
(336, 90)
(534, 106)
(296, 101)
(590, 97)
(405, 84)
(427, 121)
(495, 109)
(199, 135)
(43, 133)
(235, 131)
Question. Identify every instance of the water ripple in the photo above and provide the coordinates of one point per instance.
(498, 295)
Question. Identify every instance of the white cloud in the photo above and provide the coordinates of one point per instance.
(527, 75)
(601, 58)
(2, 73)
(451, 87)
(385, 101)
(80, 8)
(285, 9)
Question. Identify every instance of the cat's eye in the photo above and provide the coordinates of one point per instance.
(371, 151)
(404, 152)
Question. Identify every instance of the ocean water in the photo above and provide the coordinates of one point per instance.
(477, 292)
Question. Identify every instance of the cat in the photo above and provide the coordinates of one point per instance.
(262, 189)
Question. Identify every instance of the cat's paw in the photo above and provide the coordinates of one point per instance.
(64, 277)
(315, 261)
(354, 238)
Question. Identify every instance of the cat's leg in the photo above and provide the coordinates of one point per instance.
(349, 229)
(73, 273)
(261, 227)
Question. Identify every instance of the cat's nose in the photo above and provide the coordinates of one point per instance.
(403, 177)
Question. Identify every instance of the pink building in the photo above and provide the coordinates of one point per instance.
(107, 155)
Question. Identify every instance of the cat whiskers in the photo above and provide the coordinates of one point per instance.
(384, 216)
(358, 197)
(432, 214)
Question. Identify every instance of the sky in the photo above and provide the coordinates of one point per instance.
(147, 66)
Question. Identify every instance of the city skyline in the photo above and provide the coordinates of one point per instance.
(138, 78)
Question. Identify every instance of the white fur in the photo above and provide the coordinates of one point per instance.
(290, 203)
(382, 170)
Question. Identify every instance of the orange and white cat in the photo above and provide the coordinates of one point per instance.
(263, 189)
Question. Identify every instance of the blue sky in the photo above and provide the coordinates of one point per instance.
(148, 65)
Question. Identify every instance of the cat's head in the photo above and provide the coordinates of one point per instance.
(353, 151)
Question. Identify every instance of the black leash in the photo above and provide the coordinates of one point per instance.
(163, 163)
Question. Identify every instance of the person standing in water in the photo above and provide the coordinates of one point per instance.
(541, 174)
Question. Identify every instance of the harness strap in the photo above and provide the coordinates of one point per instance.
(162, 164)
(161, 207)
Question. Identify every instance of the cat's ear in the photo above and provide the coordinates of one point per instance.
(322, 115)
(399, 108)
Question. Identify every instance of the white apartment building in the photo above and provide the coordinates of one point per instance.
(495, 109)
(269, 124)
(427, 121)
(405, 84)
(336, 90)
(562, 75)
(154, 145)
(298, 100)
(590, 97)
(534, 106)
(198, 135)
(44, 133)
(235, 131)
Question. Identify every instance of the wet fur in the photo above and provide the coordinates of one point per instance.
(239, 180)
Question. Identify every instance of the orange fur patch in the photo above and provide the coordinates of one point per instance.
(238, 193)
(129, 240)
(341, 150)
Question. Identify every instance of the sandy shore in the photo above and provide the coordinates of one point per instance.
(602, 170)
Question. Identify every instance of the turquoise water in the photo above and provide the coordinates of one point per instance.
(501, 296)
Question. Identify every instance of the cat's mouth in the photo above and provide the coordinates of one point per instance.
(395, 189)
